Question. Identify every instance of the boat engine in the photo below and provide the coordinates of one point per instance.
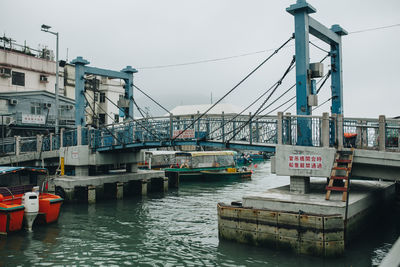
(30, 200)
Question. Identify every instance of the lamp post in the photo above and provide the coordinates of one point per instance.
(45, 28)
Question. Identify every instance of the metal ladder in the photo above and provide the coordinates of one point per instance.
(343, 162)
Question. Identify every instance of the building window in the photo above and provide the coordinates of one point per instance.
(102, 118)
(36, 108)
(102, 97)
(18, 78)
(96, 97)
(116, 118)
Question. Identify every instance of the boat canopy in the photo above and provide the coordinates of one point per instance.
(206, 159)
(8, 169)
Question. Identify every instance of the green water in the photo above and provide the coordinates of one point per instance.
(178, 228)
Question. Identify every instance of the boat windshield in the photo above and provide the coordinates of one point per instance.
(206, 161)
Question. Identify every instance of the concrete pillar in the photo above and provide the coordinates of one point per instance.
(165, 188)
(359, 132)
(325, 130)
(81, 170)
(79, 135)
(289, 128)
(382, 133)
(39, 142)
(144, 187)
(17, 145)
(159, 184)
(62, 137)
(91, 191)
(339, 131)
(280, 128)
(51, 141)
(300, 184)
(132, 167)
(120, 190)
(173, 179)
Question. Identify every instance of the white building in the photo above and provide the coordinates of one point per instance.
(23, 69)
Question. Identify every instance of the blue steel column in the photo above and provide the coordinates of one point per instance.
(300, 11)
(80, 103)
(129, 88)
(337, 71)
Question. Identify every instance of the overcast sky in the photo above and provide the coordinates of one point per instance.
(149, 33)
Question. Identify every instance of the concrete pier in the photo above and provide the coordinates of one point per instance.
(115, 185)
(304, 223)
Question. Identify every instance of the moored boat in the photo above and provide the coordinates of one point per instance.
(228, 174)
(191, 166)
(20, 199)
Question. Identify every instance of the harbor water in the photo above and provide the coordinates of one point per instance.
(177, 228)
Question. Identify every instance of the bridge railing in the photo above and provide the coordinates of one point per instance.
(378, 134)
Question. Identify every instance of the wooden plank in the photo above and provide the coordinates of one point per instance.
(285, 232)
(222, 222)
(333, 222)
(310, 221)
(288, 219)
(267, 217)
(267, 229)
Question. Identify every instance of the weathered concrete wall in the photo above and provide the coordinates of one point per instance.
(83, 156)
(301, 233)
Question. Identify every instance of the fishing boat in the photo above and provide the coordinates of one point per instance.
(157, 159)
(190, 166)
(21, 200)
(228, 174)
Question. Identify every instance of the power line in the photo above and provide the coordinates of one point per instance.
(251, 53)
(375, 29)
(237, 85)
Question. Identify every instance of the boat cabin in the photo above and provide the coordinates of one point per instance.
(205, 159)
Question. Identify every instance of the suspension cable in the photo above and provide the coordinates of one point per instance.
(137, 121)
(265, 101)
(152, 99)
(324, 81)
(94, 113)
(237, 85)
(240, 113)
(326, 101)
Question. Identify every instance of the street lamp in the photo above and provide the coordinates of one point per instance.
(45, 28)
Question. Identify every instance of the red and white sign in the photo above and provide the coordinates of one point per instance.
(189, 133)
(33, 119)
(305, 162)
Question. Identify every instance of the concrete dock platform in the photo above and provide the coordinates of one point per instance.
(116, 185)
(304, 223)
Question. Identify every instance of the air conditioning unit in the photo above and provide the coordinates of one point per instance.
(43, 79)
(47, 105)
(5, 72)
(13, 102)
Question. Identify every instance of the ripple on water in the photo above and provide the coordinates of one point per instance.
(178, 228)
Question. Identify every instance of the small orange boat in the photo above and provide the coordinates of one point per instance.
(24, 203)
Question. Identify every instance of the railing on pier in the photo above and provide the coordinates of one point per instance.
(327, 131)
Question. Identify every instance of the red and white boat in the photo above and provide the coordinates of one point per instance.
(21, 201)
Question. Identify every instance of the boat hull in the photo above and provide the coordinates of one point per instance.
(11, 217)
(224, 175)
(49, 208)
